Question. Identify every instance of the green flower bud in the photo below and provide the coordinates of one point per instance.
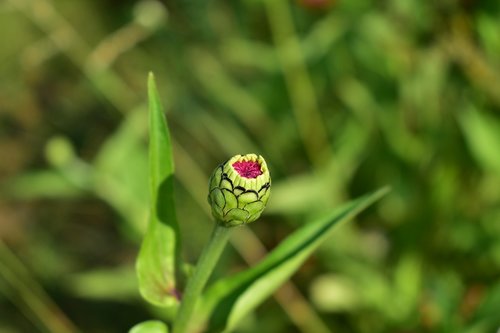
(239, 189)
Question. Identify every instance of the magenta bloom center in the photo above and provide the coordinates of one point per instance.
(247, 169)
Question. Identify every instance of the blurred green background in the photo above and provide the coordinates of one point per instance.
(341, 97)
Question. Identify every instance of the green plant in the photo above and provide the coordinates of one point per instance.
(228, 300)
(405, 93)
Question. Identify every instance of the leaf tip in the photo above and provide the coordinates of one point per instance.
(151, 80)
(384, 190)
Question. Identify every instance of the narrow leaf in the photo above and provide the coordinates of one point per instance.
(482, 133)
(230, 299)
(159, 254)
(150, 326)
(48, 183)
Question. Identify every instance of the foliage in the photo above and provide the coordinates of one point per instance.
(341, 98)
(234, 297)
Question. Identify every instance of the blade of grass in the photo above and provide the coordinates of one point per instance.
(23, 290)
(299, 84)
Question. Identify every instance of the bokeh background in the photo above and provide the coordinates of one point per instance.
(341, 97)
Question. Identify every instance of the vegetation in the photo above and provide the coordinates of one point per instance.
(341, 97)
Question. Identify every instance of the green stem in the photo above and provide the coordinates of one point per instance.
(204, 268)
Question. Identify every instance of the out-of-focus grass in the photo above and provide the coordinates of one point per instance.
(341, 99)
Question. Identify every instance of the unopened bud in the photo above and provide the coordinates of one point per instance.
(239, 189)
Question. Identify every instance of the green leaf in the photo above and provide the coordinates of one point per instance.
(482, 133)
(125, 188)
(230, 299)
(159, 255)
(149, 326)
(100, 284)
(47, 183)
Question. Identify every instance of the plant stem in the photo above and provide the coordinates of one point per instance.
(203, 269)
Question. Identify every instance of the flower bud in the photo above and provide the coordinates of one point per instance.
(239, 189)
